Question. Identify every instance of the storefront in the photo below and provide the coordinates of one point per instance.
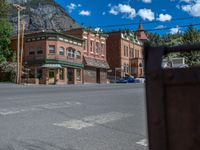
(55, 73)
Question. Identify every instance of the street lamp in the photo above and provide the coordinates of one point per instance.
(19, 9)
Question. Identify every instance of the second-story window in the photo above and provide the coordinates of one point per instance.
(78, 55)
(137, 53)
(39, 51)
(124, 50)
(97, 47)
(102, 49)
(91, 46)
(85, 45)
(131, 53)
(70, 53)
(31, 51)
(52, 49)
(62, 51)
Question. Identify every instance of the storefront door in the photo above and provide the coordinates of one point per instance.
(51, 76)
(98, 75)
(70, 75)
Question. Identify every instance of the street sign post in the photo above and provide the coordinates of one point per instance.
(172, 98)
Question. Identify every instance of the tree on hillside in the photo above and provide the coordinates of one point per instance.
(191, 36)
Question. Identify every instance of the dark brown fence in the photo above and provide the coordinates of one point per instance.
(173, 101)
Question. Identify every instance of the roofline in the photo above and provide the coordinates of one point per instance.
(47, 32)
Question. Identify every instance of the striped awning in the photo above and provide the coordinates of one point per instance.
(51, 66)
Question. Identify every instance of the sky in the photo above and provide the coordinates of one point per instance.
(159, 16)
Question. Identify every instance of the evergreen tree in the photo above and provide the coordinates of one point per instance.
(191, 36)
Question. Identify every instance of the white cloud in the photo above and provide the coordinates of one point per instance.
(146, 1)
(175, 30)
(114, 11)
(164, 17)
(125, 9)
(85, 13)
(186, 1)
(193, 9)
(103, 13)
(109, 5)
(160, 27)
(146, 14)
(72, 7)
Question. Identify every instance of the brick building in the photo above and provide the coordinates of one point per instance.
(53, 58)
(125, 51)
(94, 55)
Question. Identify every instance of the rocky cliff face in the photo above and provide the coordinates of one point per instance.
(42, 14)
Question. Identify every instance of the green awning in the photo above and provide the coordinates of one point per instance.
(51, 66)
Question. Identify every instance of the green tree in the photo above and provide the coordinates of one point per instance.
(191, 36)
(7, 65)
(5, 32)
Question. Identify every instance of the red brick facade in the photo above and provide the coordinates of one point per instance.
(53, 58)
(125, 51)
(94, 52)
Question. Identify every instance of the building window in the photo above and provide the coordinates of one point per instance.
(78, 74)
(131, 53)
(31, 51)
(62, 51)
(70, 53)
(85, 45)
(78, 55)
(52, 49)
(97, 47)
(102, 49)
(124, 68)
(39, 51)
(137, 53)
(61, 74)
(91, 46)
(124, 50)
(127, 68)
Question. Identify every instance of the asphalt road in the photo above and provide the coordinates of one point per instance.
(73, 117)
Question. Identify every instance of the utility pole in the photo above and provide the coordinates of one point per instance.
(19, 9)
(22, 51)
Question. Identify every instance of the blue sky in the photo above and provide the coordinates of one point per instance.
(155, 14)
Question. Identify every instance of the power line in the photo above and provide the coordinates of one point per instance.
(146, 22)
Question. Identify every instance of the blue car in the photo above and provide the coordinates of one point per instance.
(122, 80)
(129, 79)
(126, 80)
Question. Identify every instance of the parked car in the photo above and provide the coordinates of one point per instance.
(140, 79)
(129, 79)
(122, 80)
(126, 79)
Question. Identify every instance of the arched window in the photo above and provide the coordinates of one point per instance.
(78, 55)
(62, 51)
(70, 52)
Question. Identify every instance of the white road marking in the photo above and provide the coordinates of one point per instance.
(91, 121)
(142, 142)
(15, 110)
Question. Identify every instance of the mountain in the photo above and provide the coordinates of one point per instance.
(42, 14)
